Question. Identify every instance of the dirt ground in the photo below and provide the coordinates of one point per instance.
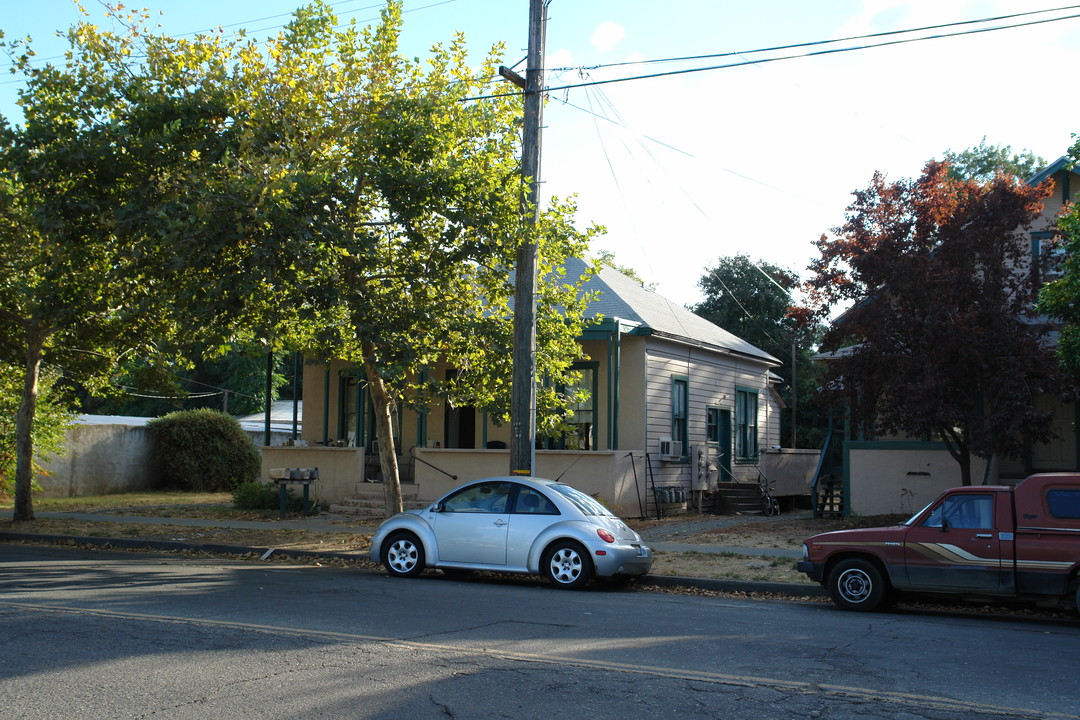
(784, 532)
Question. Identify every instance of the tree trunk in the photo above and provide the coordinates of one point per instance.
(384, 430)
(960, 449)
(24, 426)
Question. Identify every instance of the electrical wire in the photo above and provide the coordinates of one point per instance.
(814, 43)
(762, 61)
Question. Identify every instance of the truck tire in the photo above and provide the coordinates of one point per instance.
(856, 584)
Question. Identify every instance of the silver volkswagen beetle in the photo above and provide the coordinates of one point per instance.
(513, 524)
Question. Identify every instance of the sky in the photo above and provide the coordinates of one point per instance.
(757, 159)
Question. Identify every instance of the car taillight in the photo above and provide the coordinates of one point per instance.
(605, 535)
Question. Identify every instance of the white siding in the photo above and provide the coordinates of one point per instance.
(713, 378)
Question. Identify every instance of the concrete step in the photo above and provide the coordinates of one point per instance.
(365, 489)
(739, 498)
(369, 502)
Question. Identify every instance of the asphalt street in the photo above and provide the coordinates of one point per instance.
(116, 635)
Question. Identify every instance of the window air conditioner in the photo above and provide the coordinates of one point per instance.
(671, 449)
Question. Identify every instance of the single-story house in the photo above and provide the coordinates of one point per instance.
(677, 408)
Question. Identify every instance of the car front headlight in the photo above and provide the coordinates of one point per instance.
(805, 552)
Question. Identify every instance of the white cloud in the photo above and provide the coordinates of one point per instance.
(607, 36)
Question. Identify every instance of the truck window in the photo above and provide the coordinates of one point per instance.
(1063, 503)
(964, 511)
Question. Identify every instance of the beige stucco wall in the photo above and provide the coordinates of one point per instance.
(790, 472)
(99, 459)
(339, 468)
(608, 475)
(902, 481)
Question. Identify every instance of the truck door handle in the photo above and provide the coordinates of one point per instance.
(989, 536)
(500, 523)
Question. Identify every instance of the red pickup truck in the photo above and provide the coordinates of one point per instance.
(1018, 543)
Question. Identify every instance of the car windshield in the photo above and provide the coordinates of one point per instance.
(911, 519)
(586, 504)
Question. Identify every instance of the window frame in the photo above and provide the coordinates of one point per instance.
(680, 425)
(746, 425)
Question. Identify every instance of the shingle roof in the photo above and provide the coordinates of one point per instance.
(624, 298)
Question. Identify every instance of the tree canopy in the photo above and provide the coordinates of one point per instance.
(982, 162)
(939, 340)
(752, 299)
(317, 192)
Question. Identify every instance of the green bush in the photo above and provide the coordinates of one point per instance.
(202, 451)
(263, 496)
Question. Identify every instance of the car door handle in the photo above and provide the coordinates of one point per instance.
(500, 522)
(989, 536)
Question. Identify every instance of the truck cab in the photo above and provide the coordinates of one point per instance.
(1019, 542)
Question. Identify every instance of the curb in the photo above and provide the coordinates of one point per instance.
(663, 581)
(137, 544)
(734, 586)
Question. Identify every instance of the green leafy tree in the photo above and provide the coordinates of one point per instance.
(1060, 298)
(753, 301)
(982, 162)
(316, 192)
(78, 293)
(421, 193)
(940, 339)
(607, 257)
(51, 421)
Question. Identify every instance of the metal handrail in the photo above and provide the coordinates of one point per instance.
(821, 461)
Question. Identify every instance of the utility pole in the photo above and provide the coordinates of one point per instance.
(523, 389)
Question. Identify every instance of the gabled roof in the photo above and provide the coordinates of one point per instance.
(624, 298)
(1058, 165)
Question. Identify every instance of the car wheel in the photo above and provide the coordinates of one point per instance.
(857, 585)
(1078, 598)
(567, 565)
(403, 555)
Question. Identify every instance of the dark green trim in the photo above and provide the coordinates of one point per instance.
(613, 419)
(747, 459)
(421, 414)
(297, 387)
(326, 406)
(684, 436)
(269, 394)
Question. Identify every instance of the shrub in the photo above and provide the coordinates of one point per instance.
(263, 496)
(202, 451)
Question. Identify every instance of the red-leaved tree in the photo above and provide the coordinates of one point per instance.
(940, 339)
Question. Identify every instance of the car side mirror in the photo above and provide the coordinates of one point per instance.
(944, 525)
(437, 507)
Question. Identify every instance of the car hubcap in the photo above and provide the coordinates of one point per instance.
(855, 586)
(565, 565)
(402, 556)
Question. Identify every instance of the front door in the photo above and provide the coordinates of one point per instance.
(956, 547)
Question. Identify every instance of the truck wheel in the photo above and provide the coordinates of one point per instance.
(856, 584)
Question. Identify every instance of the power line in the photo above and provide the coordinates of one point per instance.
(815, 43)
(762, 61)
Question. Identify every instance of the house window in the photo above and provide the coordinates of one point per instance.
(712, 425)
(351, 426)
(746, 419)
(582, 417)
(680, 399)
(1046, 258)
(580, 421)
